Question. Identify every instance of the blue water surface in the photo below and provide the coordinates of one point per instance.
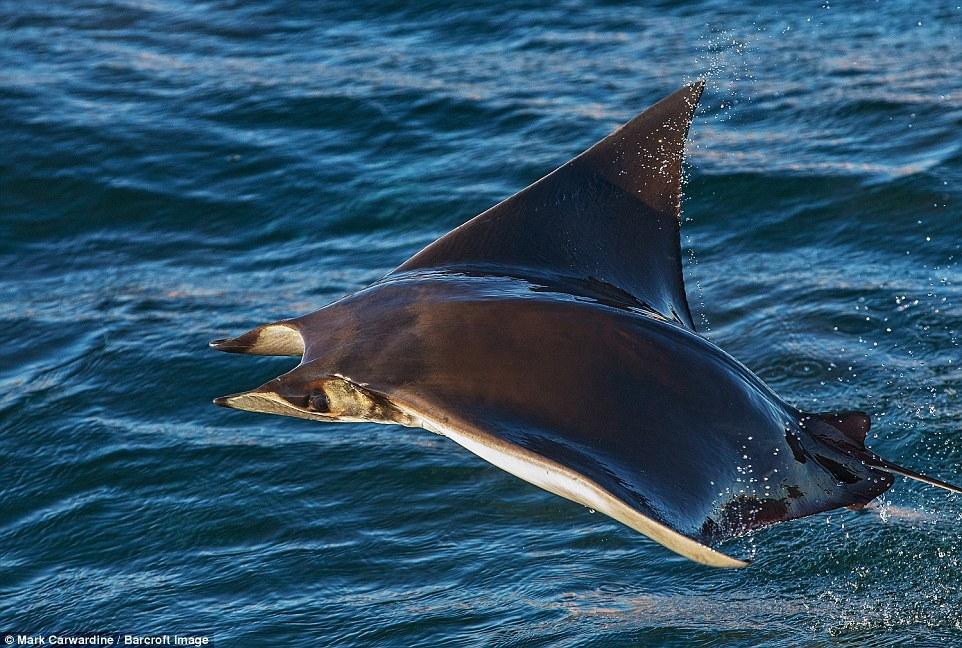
(176, 171)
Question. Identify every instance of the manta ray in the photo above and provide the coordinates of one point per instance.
(551, 336)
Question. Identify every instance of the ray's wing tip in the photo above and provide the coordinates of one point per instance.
(697, 88)
(716, 558)
(688, 94)
(740, 563)
(691, 94)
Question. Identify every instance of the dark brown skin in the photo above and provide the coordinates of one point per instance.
(644, 407)
(557, 322)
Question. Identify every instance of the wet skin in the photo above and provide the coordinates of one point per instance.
(551, 335)
(653, 412)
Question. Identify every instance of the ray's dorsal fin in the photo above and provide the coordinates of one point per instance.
(854, 425)
(610, 217)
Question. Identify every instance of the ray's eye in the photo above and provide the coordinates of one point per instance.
(297, 400)
(318, 402)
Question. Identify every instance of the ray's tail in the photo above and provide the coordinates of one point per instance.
(889, 467)
(847, 432)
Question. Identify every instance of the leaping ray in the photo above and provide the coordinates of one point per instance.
(551, 336)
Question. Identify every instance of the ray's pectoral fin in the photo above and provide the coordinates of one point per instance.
(608, 217)
(556, 476)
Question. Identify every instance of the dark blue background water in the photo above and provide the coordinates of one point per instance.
(175, 171)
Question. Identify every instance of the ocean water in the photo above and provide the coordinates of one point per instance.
(173, 172)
